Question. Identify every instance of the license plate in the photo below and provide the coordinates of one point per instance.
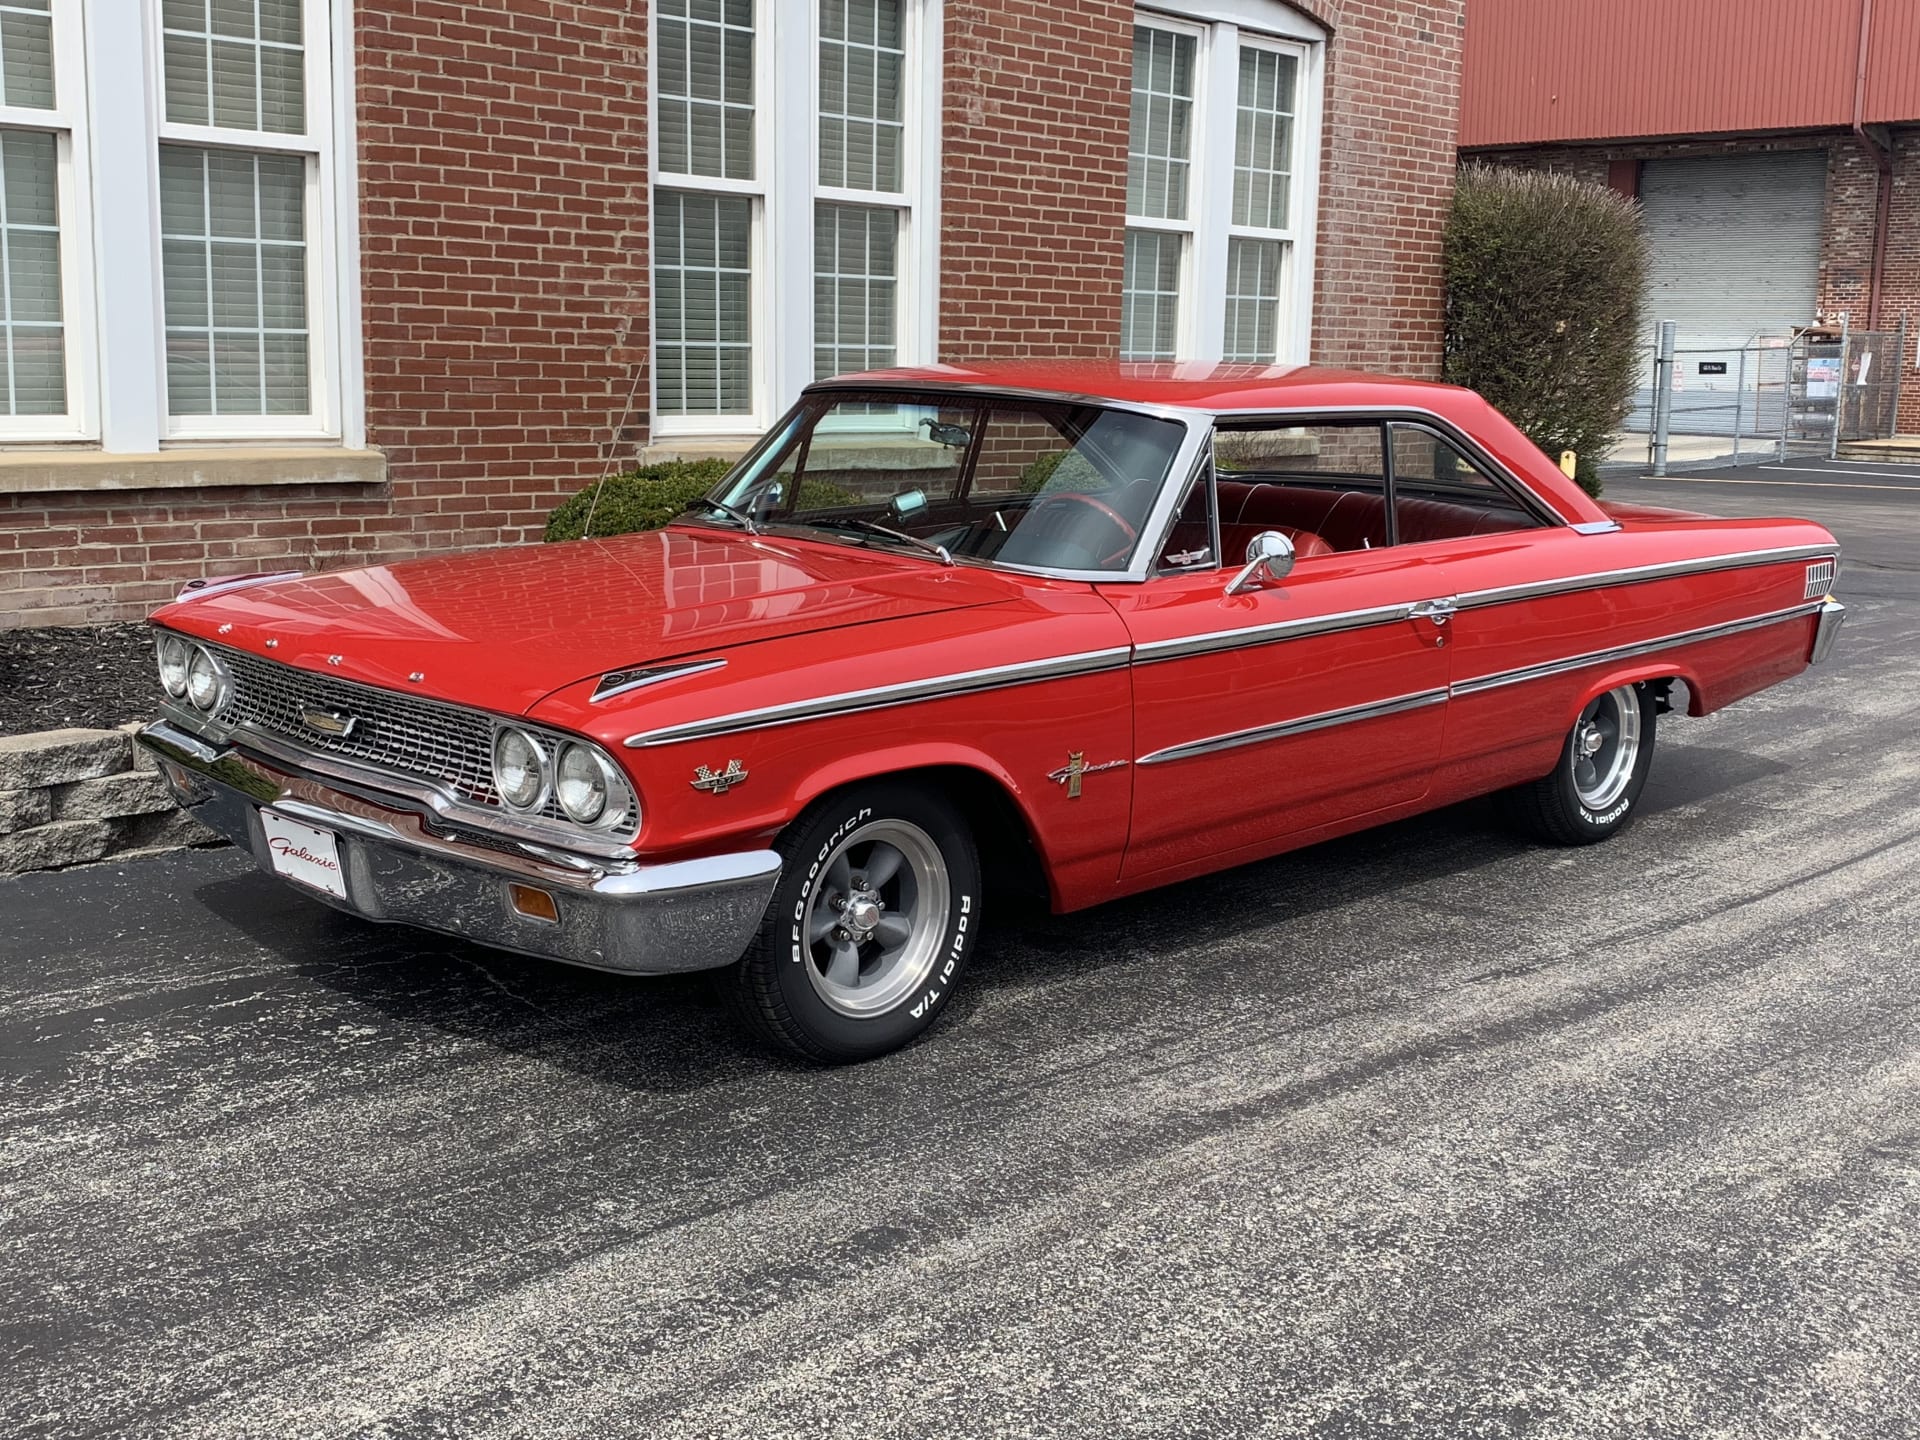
(301, 852)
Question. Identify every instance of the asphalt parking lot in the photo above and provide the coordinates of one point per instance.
(1428, 1132)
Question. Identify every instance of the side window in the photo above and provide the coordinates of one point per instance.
(1323, 486)
(1440, 494)
(1190, 542)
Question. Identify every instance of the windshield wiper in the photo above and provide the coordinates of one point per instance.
(872, 527)
(720, 507)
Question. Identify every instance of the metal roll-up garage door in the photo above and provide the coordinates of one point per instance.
(1734, 244)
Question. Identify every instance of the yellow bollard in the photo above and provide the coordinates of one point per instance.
(1569, 462)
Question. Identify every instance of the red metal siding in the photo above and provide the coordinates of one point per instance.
(1893, 62)
(1612, 69)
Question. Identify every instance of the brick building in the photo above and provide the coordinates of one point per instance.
(308, 283)
(1775, 147)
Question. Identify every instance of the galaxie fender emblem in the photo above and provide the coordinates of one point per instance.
(330, 722)
(1069, 774)
(725, 780)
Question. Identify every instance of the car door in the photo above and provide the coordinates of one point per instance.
(1297, 705)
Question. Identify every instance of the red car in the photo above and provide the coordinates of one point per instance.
(1085, 630)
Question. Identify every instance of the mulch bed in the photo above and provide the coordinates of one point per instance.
(91, 677)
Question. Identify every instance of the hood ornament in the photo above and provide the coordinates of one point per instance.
(725, 780)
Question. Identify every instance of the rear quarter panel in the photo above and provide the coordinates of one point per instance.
(1504, 726)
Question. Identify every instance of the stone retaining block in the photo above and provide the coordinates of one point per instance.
(71, 796)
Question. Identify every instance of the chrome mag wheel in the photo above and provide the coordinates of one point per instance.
(1606, 745)
(876, 916)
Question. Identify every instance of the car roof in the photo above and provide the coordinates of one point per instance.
(1196, 385)
(1223, 390)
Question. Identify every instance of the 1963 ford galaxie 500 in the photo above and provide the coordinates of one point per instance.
(1089, 629)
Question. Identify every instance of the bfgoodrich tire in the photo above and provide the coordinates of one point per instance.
(870, 927)
(1594, 790)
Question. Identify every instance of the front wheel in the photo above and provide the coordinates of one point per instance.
(870, 927)
(1593, 790)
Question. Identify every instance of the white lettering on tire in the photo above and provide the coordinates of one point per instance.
(798, 953)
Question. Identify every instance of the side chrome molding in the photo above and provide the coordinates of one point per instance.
(938, 687)
(1250, 635)
(1745, 559)
(1326, 719)
(1831, 612)
(1627, 652)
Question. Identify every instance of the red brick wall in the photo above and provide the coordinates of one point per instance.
(1386, 182)
(1034, 177)
(504, 256)
(504, 262)
(1846, 239)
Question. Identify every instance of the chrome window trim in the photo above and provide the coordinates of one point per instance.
(1324, 720)
(1521, 493)
(1196, 434)
(1499, 678)
(1639, 574)
(1595, 527)
(880, 697)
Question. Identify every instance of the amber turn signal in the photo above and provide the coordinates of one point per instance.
(534, 904)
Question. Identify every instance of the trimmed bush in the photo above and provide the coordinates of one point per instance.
(655, 495)
(643, 499)
(1544, 275)
(1060, 470)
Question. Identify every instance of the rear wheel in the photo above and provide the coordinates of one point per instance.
(1594, 789)
(870, 926)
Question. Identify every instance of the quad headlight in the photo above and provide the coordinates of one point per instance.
(174, 657)
(204, 680)
(520, 770)
(581, 784)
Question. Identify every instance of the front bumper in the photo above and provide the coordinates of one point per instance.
(637, 919)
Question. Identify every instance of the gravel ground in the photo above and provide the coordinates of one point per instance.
(92, 676)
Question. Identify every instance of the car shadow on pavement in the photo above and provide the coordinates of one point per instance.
(678, 1033)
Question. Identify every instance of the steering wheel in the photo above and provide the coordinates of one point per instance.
(1106, 512)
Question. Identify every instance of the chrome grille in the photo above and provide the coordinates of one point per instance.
(448, 744)
(435, 741)
(1820, 579)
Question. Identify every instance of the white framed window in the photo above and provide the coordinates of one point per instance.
(795, 174)
(174, 266)
(46, 304)
(1222, 184)
(241, 156)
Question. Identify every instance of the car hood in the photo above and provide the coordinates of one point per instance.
(501, 629)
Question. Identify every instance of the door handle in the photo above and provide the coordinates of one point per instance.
(1438, 611)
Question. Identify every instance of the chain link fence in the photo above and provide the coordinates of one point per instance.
(1706, 401)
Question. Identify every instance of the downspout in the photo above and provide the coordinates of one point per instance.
(1883, 162)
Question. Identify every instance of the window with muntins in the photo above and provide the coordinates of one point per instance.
(1221, 186)
(42, 248)
(805, 135)
(167, 219)
(239, 157)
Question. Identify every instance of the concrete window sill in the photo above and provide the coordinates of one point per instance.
(38, 472)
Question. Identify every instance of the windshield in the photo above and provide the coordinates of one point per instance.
(1036, 484)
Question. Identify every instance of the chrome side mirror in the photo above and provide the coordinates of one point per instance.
(1269, 557)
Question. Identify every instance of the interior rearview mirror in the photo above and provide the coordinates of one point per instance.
(1269, 558)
